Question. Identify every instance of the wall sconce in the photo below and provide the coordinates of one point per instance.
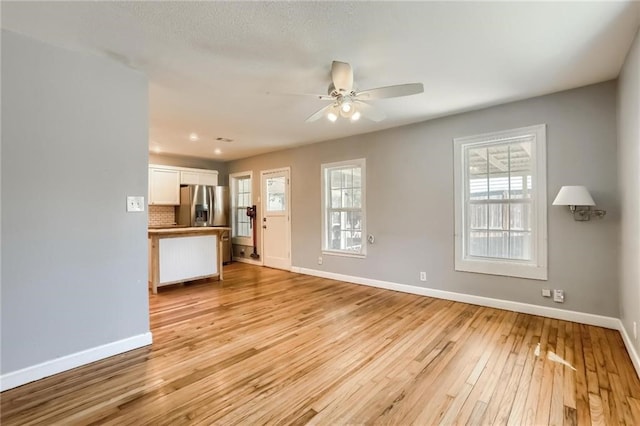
(579, 201)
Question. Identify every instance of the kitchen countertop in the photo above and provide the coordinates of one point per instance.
(187, 230)
(167, 226)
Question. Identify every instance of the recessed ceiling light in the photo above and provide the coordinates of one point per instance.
(193, 137)
(217, 151)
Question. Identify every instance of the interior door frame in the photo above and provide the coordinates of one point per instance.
(263, 212)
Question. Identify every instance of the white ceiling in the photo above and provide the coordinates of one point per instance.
(211, 64)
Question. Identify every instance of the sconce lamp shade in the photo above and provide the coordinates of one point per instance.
(573, 196)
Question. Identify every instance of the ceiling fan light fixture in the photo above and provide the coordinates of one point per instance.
(346, 107)
(331, 116)
(346, 114)
(356, 116)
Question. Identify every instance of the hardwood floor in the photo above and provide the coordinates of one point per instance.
(269, 346)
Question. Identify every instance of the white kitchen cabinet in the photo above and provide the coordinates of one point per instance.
(165, 181)
(198, 177)
(189, 178)
(164, 186)
(209, 178)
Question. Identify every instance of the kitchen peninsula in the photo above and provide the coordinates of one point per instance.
(183, 254)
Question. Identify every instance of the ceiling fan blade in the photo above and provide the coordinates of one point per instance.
(369, 112)
(321, 97)
(320, 113)
(391, 91)
(342, 76)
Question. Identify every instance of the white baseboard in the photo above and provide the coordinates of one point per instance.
(526, 308)
(633, 354)
(246, 260)
(67, 362)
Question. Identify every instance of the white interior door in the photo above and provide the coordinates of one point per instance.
(276, 222)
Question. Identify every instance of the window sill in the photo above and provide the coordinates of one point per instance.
(507, 269)
(344, 254)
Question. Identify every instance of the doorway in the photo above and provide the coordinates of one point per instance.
(276, 218)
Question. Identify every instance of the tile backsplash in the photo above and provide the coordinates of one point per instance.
(162, 215)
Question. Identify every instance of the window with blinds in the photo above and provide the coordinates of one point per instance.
(500, 191)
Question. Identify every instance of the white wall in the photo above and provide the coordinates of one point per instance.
(74, 263)
(629, 177)
(410, 200)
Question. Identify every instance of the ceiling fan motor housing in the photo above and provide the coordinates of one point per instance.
(332, 91)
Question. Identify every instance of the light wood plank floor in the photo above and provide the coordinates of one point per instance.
(274, 347)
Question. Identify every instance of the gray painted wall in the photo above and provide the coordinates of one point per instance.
(410, 200)
(629, 175)
(197, 163)
(74, 145)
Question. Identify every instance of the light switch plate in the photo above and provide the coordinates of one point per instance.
(135, 204)
(558, 296)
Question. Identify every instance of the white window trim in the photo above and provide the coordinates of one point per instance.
(243, 241)
(536, 269)
(360, 162)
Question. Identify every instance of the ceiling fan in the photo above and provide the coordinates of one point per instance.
(348, 103)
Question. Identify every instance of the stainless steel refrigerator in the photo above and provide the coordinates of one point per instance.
(203, 205)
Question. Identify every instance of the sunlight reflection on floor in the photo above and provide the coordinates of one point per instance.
(553, 357)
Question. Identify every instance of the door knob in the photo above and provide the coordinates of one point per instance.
(264, 226)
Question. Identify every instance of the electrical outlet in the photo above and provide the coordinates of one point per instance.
(135, 204)
(546, 292)
(558, 296)
(423, 276)
(319, 260)
(635, 330)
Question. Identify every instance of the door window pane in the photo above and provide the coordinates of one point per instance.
(276, 194)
